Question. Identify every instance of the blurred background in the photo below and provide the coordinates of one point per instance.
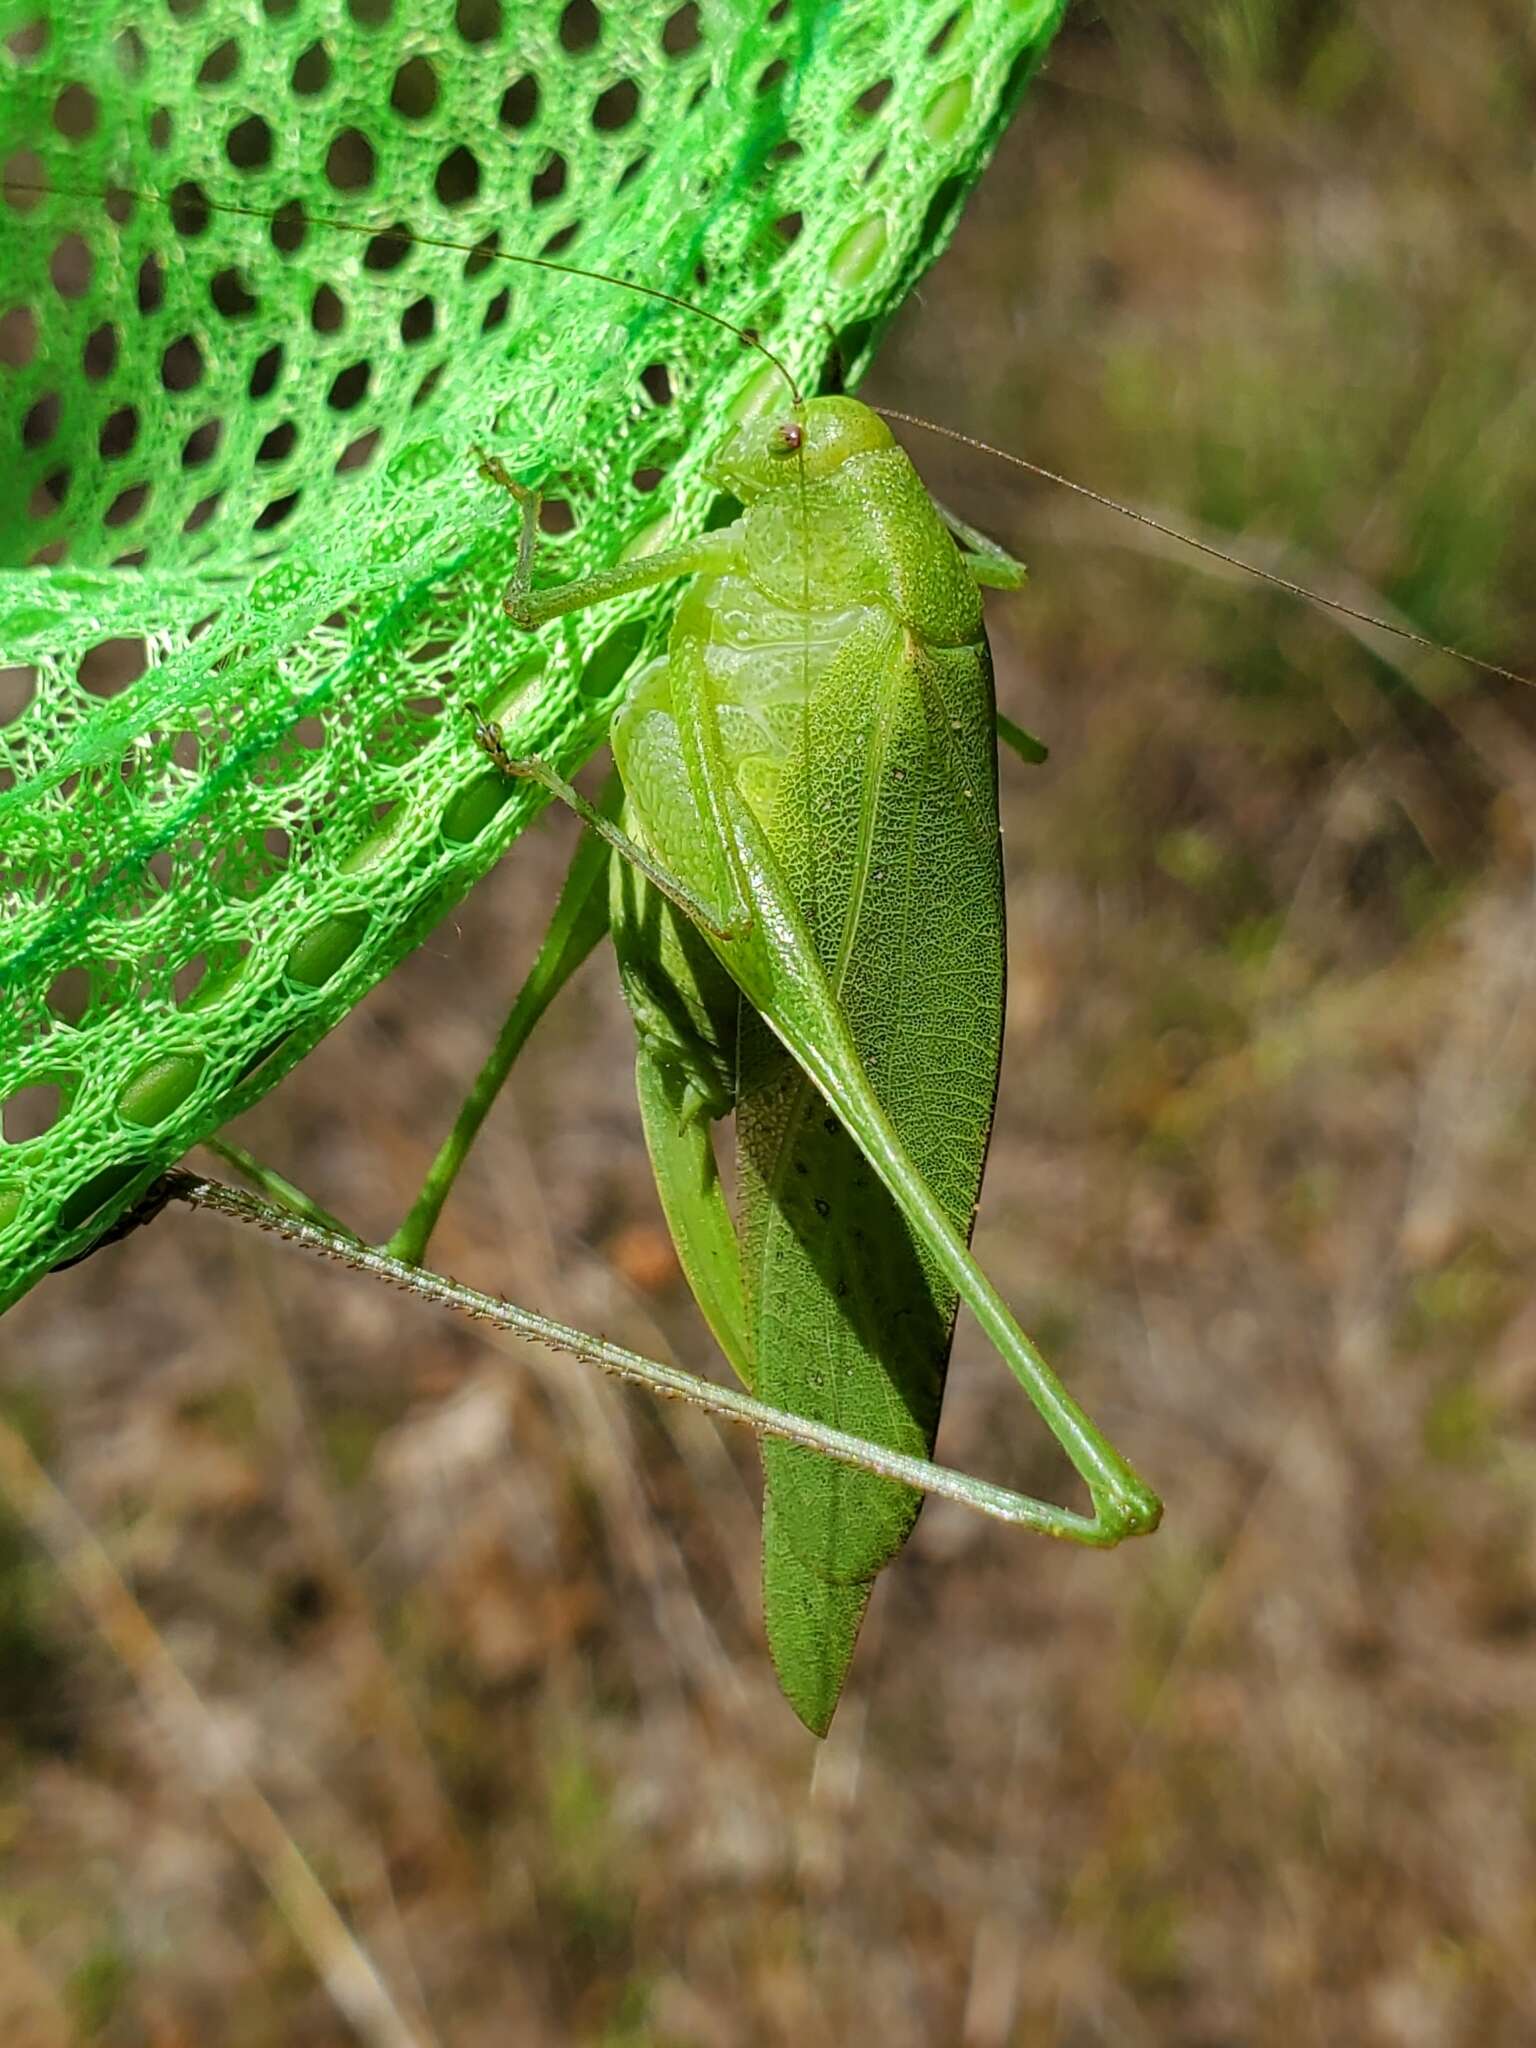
(486, 1629)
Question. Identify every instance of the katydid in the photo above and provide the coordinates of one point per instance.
(808, 915)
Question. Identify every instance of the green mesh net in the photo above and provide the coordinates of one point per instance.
(250, 573)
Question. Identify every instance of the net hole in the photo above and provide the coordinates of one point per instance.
(75, 113)
(520, 102)
(279, 444)
(70, 268)
(943, 32)
(275, 513)
(230, 295)
(288, 228)
(99, 358)
(202, 980)
(18, 686)
(200, 444)
(788, 225)
(49, 496)
(580, 27)
(482, 256)
(327, 314)
(31, 1112)
(648, 478)
(189, 977)
(359, 453)
(127, 505)
(69, 995)
(657, 380)
(150, 285)
(181, 366)
(265, 372)
(873, 97)
(387, 251)
(189, 209)
(161, 128)
(348, 387)
(548, 183)
(25, 179)
(561, 239)
(414, 92)
(427, 386)
(632, 170)
(201, 512)
(350, 165)
(772, 76)
(130, 54)
(496, 312)
(458, 177)
(248, 144)
(612, 660)
(616, 107)
(220, 64)
(556, 517)
(680, 32)
(478, 21)
(28, 42)
(18, 337)
(370, 13)
(311, 71)
(42, 421)
(417, 322)
(108, 668)
(119, 431)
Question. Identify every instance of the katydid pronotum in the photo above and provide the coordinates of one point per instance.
(810, 787)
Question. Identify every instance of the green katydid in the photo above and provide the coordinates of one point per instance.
(807, 910)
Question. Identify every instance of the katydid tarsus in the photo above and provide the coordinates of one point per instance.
(807, 911)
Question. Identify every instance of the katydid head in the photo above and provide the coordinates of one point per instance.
(803, 444)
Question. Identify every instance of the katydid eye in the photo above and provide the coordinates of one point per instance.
(787, 438)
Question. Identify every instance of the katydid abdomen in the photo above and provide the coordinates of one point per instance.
(841, 647)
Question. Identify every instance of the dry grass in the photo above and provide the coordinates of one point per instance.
(484, 1631)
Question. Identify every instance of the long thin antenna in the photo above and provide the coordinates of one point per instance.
(377, 231)
(1204, 547)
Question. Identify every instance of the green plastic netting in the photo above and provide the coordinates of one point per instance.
(250, 572)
